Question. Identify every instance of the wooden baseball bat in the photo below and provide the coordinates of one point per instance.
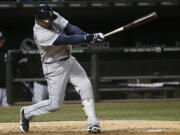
(133, 24)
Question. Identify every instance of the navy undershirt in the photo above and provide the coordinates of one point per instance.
(74, 36)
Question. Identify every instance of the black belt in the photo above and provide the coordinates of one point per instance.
(63, 59)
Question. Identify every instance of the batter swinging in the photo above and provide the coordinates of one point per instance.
(54, 36)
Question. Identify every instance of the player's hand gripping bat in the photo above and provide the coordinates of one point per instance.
(135, 23)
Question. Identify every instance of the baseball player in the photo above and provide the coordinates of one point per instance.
(3, 51)
(54, 36)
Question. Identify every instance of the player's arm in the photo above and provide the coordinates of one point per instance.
(77, 39)
(68, 28)
(73, 30)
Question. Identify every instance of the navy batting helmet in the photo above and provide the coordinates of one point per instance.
(45, 13)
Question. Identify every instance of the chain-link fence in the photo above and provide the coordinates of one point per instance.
(115, 73)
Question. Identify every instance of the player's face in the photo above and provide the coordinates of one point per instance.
(2, 41)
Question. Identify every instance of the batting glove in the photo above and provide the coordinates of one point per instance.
(94, 37)
(98, 37)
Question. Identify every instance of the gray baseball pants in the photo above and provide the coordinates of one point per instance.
(57, 75)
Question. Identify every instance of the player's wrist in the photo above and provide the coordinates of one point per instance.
(89, 37)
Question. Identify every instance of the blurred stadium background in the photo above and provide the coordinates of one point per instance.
(141, 63)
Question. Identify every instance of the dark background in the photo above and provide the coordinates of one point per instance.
(18, 23)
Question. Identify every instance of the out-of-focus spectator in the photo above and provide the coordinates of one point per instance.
(9, 0)
(30, 66)
(57, 1)
(35, 0)
(40, 92)
(3, 51)
(42, 0)
(32, 0)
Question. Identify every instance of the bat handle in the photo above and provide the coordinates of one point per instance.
(114, 32)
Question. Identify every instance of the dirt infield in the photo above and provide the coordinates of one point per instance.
(119, 127)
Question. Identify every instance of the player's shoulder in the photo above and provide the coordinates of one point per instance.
(61, 21)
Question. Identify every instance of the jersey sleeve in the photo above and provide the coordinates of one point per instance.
(61, 21)
(45, 38)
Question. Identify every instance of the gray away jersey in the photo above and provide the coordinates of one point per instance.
(44, 38)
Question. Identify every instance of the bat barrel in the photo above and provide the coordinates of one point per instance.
(141, 20)
(135, 23)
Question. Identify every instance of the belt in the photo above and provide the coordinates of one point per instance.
(63, 59)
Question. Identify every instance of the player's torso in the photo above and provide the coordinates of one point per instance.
(51, 53)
